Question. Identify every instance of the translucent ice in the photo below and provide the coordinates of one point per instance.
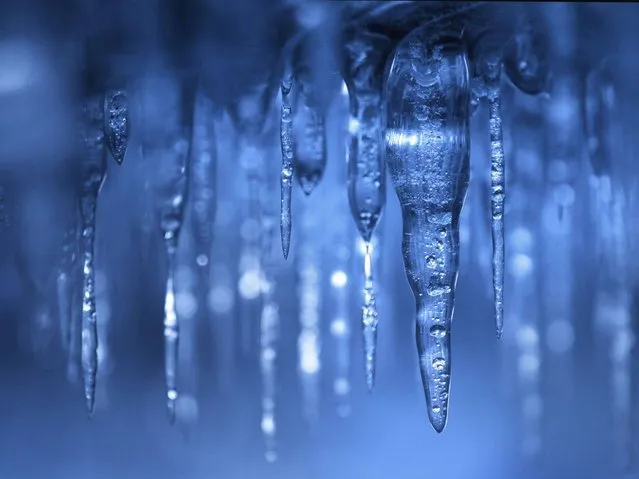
(286, 177)
(93, 174)
(203, 181)
(116, 124)
(427, 150)
(169, 123)
(309, 134)
(363, 75)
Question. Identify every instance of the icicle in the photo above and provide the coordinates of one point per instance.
(103, 351)
(203, 177)
(168, 142)
(249, 115)
(309, 339)
(369, 319)
(269, 332)
(66, 277)
(341, 333)
(309, 135)
(187, 306)
(75, 338)
(270, 317)
(171, 337)
(427, 149)
(286, 183)
(525, 127)
(565, 135)
(366, 173)
(600, 99)
(94, 172)
(340, 239)
(497, 198)
(116, 125)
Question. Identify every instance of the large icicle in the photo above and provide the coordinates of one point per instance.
(116, 124)
(497, 185)
(93, 174)
(427, 149)
(286, 178)
(203, 178)
(169, 121)
(366, 173)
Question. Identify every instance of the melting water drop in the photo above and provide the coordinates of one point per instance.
(497, 179)
(366, 172)
(427, 149)
(203, 177)
(93, 175)
(116, 125)
(286, 179)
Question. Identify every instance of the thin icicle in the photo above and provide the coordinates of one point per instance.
(116, 125)
(172, 217)
(340, 330)
(270, 316)
(94, 172)
(66, 278)
(369, 319)
(269, 333)
(249, 115)
(168, 114)
(75, 338)
(366, 172)
(427, 149)
(171, 338)
(601, 99)
(203, 178)
(286, 179)
(309, 339)
(497, 179)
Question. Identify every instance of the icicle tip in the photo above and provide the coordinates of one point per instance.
(439, 423)
(90, 403)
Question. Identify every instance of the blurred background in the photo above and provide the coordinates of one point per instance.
(270, 370)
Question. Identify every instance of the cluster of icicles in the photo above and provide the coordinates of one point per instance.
(409, 112)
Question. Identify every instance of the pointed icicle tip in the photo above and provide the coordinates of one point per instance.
(307, 186)
(438, 421)
(285, 249)
(90, 403)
